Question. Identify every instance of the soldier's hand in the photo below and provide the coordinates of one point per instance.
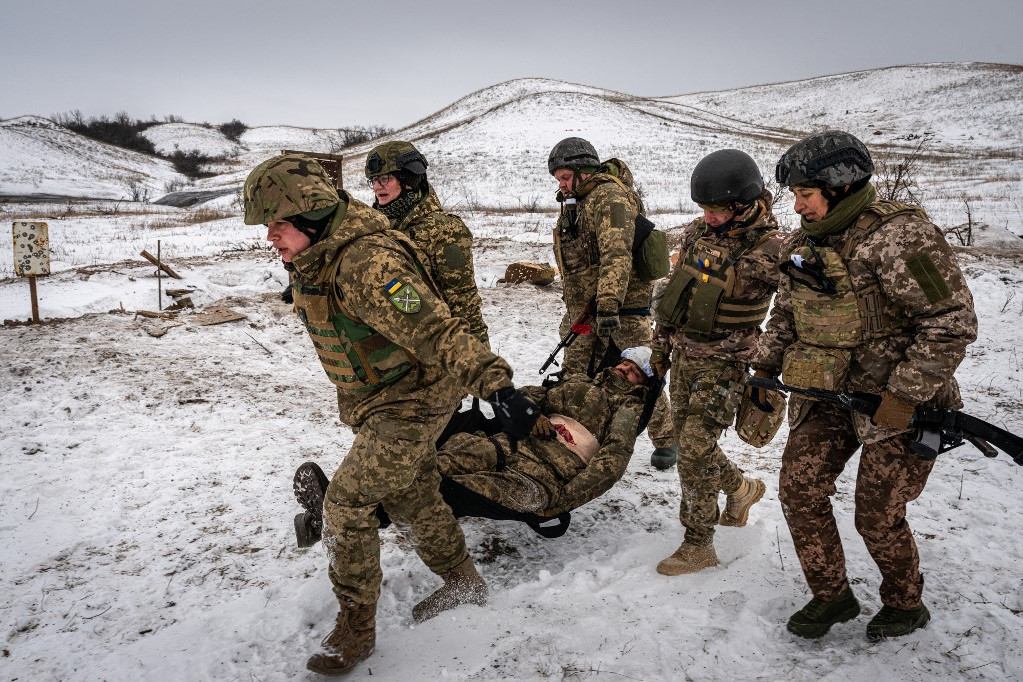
(516, 413)
(607, 323)
(894, 412)
(660, 362)
(758, 396)
(542, 429)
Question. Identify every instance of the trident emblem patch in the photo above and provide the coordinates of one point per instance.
(403, 297)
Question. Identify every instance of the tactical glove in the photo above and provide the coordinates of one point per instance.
(516, 413)
(607, 323)
(758, 396)
(660, 362)
(894, 412)
(543, 429)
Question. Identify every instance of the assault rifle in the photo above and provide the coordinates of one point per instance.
(937, 429)
(580, 326)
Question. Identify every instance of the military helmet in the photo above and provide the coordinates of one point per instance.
(394, 156)
(573, 153)
(285, 186)
(832, 159)
(725, 177)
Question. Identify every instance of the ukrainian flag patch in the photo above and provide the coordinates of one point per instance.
(403, 296)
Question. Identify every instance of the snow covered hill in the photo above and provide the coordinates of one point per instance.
(145, 464)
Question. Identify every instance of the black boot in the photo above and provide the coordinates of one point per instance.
(891, 622)
(310, 485)
(817, 617)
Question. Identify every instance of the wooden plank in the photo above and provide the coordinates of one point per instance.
(163, 266)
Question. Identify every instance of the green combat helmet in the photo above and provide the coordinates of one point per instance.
(394, 156)
(573, 153)
(287, 185)
(726, 177)
(829, 159)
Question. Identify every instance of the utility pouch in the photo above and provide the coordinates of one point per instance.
(755, 426)
(806, 366)
(650, 251)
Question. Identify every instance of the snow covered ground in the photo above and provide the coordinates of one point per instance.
(145, 464)
(146, 504)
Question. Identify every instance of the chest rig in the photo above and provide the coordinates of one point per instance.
(354, 356)
(700, 297)
(834, 312)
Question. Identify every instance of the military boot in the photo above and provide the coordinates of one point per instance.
(688, 559)
(663, 458)
(310, 486)
(462, 585)
(890, 622)
(817, 617)
(352, 640)
(738, 504)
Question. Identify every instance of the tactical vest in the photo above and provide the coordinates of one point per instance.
(831, 316)
(355, 356)
(699, 299)
(575, 242)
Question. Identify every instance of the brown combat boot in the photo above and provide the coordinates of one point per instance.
(352, 640)
(462, 585)
(688, 559)
(738, 504)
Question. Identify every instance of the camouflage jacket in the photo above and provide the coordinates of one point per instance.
(756, 276)
(910, 262)
(595, 255)
(609, 407)
(447, 244)
(356, 262)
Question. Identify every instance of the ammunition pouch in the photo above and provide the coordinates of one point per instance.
(755, 425)
(808, 366)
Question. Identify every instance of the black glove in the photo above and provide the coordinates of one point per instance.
(607, 322)
(515, 411)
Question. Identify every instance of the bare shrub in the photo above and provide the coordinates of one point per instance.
(233, 129)
(895, 173)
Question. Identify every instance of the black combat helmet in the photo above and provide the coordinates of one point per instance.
(726, 177)
(573, 153)
(829, 159)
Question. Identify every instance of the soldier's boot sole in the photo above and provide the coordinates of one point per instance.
(688, 559)
(889, 622)
(310, 485)
(817, 617)
(737, 507)
(664, 458)
(335, 665)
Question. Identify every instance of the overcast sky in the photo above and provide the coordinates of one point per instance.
(333, 63)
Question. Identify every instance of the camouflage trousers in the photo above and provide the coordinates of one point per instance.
(705, 395)
(636, 330)
(890, 475)
(385, 466)
(530, 481)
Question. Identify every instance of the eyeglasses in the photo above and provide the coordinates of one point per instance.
(380, 180)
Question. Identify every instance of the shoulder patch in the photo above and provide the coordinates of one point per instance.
(403, 296)
(926, 274)
(618, 219)
(454, 257)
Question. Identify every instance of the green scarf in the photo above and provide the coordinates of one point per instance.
(843, 214)
(399, 208)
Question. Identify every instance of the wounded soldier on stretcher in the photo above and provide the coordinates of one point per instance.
(577, 451)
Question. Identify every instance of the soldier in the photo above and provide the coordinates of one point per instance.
(593, 247)
(709, 320)
(396, 172)
(401, 363)
(871, 299)
(578, 450)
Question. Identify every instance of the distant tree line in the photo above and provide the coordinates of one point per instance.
(124, 131)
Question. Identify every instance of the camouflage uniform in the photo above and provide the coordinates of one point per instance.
(595, 258)
(401, 363)
(708, 367)
(901, 323)
(447, 244)
(543, 476)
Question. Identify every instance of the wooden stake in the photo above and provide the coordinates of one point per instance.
(163, 266)
(35, 301)
(159, 278)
